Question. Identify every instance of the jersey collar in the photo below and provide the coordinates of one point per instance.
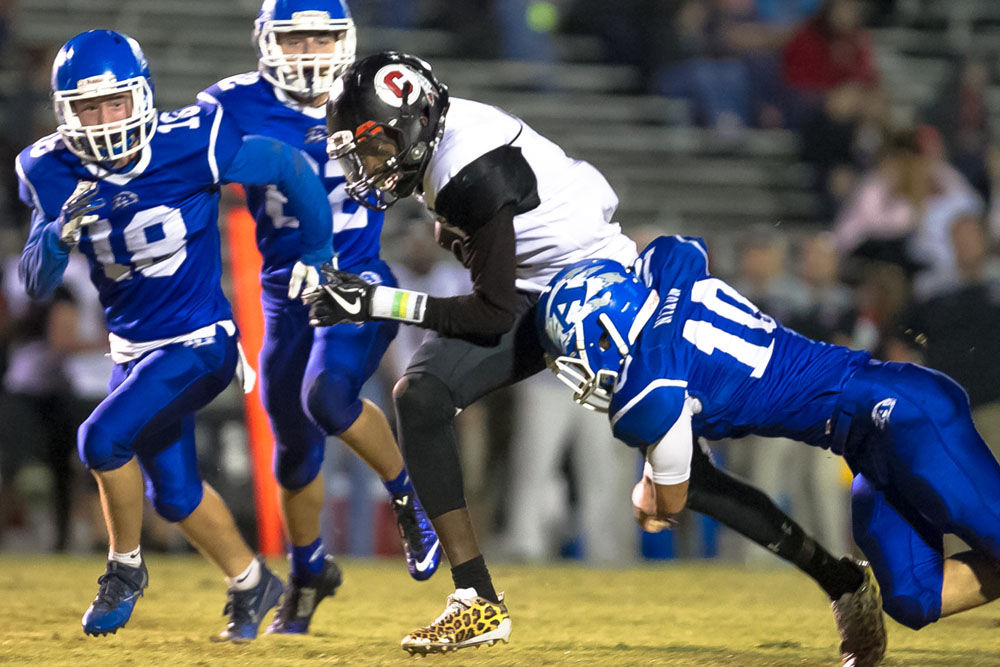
(295, 105)
(122, 178)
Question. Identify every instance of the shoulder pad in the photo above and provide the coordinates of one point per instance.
(229, 87)
(642, 418)
(44, 146)
(484, 186)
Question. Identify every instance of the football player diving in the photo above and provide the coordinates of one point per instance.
(311, 378)
(515, 209)
(137, 192)
(673, 351)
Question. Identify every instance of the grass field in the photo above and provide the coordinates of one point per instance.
(679, 614)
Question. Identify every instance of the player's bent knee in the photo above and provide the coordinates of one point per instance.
(910, 611)
(423, 397)
(295, 469)
(98, 449)
(332, 402)
(175, 506)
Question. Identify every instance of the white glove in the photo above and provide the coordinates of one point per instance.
(304, 278)
(77, 213)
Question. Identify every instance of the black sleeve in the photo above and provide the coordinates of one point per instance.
(492, 181)
(489, 312)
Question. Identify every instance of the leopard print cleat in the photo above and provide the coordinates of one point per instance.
(860, 623)
(468, 620)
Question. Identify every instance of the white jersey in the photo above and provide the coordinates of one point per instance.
(573, 221)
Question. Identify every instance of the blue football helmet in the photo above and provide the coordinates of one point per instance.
(588, 319)
(96, 64)
(305, 74)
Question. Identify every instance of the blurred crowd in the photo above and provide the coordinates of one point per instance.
(904, 264)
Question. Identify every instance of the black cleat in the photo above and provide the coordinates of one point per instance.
(295, 613)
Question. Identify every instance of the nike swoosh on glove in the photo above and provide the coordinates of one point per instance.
(344, 297)
(78, 211)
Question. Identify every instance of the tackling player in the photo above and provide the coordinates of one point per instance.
(674, 351)
(137, 192)
(515, 209)
(310, 379)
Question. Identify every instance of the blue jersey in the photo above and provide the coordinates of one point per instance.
(747, 372)
(257, 109)
(154, 251)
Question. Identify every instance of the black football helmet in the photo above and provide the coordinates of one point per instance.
(385, 116)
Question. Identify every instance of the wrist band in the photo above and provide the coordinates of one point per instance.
(398, 304)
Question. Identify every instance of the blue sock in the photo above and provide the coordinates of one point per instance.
(400, 485)
(307, 561)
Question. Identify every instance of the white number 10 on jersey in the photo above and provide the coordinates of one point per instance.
(708, 338)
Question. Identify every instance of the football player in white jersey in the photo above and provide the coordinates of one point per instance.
(515, 209)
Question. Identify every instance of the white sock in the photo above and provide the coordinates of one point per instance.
(131, 558)
(246, 579)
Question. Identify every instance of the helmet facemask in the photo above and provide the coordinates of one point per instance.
(592, 388)
(112, 141)
(308, 75)
(589, 319)
(380, 169)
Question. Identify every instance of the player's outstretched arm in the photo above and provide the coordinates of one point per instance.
(265, 161)
(482, 316)
(44, 257)
(662, 491)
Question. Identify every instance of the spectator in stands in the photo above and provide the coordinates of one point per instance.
(788, 13)
(955, 331)
(881, 274)
(841, 139)
(37, 408)
(913, 196)
(724, 55)
(830, 50)
(700, 64)
(526, 28)
(634, 32)
(540, 521)
(961, 115)
(829, 311)
(764, 277)
(757, 31)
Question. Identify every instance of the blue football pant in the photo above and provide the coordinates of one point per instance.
(927, 472)
(149, 413)
(311, 377)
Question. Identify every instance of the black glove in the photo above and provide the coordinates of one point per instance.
(343, 297)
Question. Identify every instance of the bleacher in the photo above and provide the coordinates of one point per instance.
(665, 171)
